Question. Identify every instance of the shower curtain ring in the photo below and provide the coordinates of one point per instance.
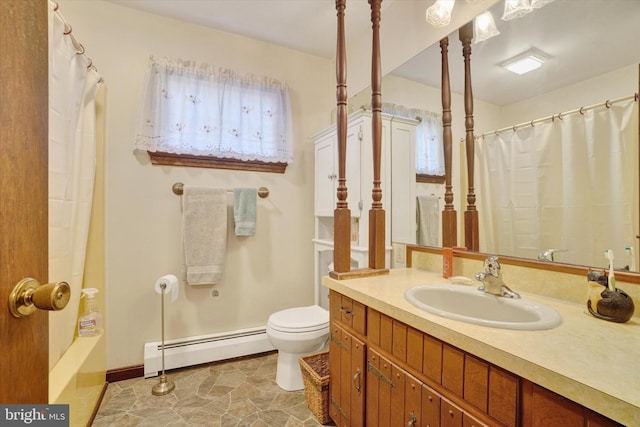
(560, 115)
(532, 123)
(607, 103)
(55, 5)
(81, 51)
(67, 32)
(582, 110)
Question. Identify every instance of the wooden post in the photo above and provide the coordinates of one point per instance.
(342, 214)
(471, 238)
(376, 213)
(449, 226)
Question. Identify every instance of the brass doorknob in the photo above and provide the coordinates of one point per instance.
(29, 295)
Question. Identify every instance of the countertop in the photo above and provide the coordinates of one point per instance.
(590, 361)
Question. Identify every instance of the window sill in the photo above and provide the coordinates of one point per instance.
(433, 179)
(171, 159)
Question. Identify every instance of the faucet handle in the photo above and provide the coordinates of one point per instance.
(492, 266)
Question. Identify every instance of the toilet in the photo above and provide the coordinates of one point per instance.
(295, 332)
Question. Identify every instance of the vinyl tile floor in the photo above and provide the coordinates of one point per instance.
(240, 392)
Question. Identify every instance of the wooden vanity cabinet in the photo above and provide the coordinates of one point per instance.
(542, 408)
(386, 373)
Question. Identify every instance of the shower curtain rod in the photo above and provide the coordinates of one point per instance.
(67, 32)
(552, 117)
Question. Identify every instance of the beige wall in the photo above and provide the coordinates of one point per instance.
(264, 273)
(615, 84)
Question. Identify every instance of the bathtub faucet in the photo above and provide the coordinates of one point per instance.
(491, 279)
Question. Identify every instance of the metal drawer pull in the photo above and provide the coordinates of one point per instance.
(412, 419)
(345, 311)
(356, 381)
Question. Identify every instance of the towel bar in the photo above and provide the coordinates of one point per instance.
(178, 189)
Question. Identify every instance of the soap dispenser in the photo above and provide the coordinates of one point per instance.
(89, 323)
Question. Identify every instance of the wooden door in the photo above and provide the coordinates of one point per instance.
(23, 195)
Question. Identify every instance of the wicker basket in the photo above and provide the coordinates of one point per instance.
(315, 375)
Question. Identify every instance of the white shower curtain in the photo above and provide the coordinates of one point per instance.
(567, 184)
(72, 151)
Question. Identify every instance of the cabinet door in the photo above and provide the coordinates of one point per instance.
(403, 182)
(325, 176)
(346, 383)
(430, 407)
(450, 415)
(412, 402)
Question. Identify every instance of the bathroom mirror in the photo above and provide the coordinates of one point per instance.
(566, 32)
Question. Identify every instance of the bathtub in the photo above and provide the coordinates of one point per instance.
(79, 378)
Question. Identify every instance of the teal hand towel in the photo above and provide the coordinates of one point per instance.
(244, 211)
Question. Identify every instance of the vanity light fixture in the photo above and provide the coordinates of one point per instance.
(525, 62)
(484, 27)
(515, 9)
(537, 4)
(439, 14)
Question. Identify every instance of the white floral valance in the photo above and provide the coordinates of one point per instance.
(190, 108)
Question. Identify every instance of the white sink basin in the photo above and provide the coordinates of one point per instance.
(467, 304)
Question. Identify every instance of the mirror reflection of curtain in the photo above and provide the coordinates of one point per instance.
(567, 184)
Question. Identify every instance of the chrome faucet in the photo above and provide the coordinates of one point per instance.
(491, 280)
(548, 254)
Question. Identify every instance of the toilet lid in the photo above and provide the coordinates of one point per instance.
(300, 319)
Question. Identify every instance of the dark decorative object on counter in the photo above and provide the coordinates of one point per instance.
(614, 305)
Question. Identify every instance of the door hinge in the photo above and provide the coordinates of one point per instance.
(339, 342)
(375, 371)
(337, 406)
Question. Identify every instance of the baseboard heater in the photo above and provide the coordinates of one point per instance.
(183, 352)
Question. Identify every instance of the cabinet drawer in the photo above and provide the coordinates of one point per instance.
(348, 312)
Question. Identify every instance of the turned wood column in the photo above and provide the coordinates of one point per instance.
(449, 226)
(471, 239)
(376, 213)
(342, 213)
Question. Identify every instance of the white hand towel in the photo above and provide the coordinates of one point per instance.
(428, 220)
(244, 211)
(204, 234)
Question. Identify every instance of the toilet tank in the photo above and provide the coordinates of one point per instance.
(325, 264)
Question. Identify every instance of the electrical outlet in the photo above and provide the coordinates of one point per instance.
(399, 251)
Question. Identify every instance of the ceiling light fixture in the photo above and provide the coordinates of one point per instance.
(525, 62)
(515, 9)
(439, 14)
(484, 27)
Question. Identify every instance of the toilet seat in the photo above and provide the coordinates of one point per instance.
(299, 319)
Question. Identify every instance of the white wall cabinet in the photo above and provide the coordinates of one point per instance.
(397, 175)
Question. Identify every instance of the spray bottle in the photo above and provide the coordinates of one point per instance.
(90, 321)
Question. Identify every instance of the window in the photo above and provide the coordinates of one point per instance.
(193, 115)
(429, 148)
